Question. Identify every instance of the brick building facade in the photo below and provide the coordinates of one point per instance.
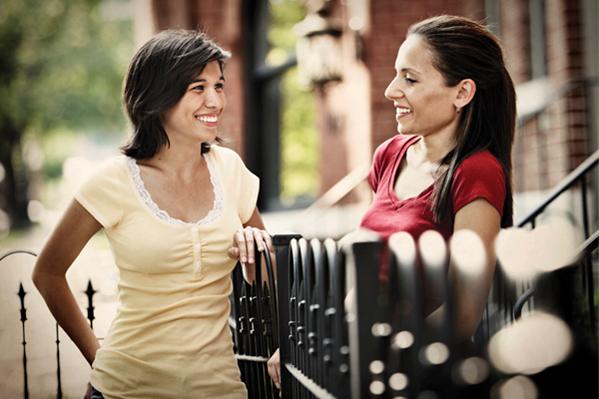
(547, 44)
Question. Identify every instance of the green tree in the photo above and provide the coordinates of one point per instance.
(299, 141)
(61, 66)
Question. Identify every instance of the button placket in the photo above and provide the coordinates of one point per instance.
(197, 250)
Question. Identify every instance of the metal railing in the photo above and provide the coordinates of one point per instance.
(584, 252)
(89, 291)
(578, 177)
(254, 323)
(313, 327)
(335, 342)
(377, 345)
(507, 299)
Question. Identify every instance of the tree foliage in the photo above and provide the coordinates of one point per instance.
(61, 66)
(299, 139)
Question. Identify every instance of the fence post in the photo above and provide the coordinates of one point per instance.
(22, 294)
(241, 328)
(317, 308)
(406, 281)
(256, 302)
(339, 347)
(23, 312)
(281, 242)
(363, 263)
(90, 292)
(58, 378)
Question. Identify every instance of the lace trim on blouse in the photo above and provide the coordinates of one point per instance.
(214, 213)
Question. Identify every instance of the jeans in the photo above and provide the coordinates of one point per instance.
(95, 394)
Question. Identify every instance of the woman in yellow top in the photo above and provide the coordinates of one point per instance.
(171, 206)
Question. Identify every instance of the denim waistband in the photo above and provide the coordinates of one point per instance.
(96, 394)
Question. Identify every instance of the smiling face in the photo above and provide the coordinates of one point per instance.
(195, 117)
(424, 104)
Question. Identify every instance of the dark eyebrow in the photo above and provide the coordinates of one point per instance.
(409, 70)
(222, 77)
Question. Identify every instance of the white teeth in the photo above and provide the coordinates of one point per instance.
(402, 111)
(206, 118)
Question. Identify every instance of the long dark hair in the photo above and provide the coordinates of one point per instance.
(158, 77)
(465, 49)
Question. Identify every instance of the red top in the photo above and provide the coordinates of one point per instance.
(478, 176)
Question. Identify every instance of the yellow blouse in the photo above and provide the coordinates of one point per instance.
(170, 337)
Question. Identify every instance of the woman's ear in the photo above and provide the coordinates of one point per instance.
(465, 93)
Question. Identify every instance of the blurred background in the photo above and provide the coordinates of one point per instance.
(305, 110)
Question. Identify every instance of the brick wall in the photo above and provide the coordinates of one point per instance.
(514, 38)
(571, 67)
(549, 147)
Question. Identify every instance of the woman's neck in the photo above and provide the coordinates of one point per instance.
(178, 160)
(433, 148)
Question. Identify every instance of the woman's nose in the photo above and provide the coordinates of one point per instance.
(393, 90)
(213, 99)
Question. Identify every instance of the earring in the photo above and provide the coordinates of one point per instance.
(457, 109)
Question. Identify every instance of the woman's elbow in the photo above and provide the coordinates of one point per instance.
(37, 276)
(40, 276)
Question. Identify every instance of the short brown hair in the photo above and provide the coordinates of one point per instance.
(158, 77)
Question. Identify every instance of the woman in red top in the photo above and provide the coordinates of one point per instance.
(449, 168)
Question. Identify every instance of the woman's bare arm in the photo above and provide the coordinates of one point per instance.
(483, 219)
(243, 245)
(65, 243)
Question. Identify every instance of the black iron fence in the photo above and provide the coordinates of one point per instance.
(254, 323)
(346, 331)
(352, 334)
(89, 291)
(366, 338)
(580, 178)
(314, 347)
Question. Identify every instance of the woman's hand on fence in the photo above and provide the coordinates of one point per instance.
(274, 368)
(243, 244)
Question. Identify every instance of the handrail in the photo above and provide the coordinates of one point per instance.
(307, 383)
(557, 94)
(588, 246)
(522, 299)
(340, 189)
(565, 184)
